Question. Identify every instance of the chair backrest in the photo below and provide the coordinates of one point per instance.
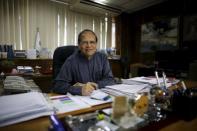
(59, 57)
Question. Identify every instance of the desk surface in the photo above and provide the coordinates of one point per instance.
(42, 124)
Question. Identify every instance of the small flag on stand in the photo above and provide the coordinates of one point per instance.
(37, 42)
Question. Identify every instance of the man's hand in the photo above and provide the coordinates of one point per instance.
(87, 89)
(94, 85)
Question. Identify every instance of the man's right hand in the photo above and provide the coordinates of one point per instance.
(87, 89)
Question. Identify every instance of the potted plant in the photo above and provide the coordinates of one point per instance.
(6, 66)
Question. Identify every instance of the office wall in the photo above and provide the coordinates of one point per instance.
(129, 25)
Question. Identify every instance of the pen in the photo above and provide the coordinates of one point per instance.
(102, 98)
(56, 125)
(107, 98)
(157, 78)
(60, 97)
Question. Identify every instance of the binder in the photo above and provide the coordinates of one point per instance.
(22, 107)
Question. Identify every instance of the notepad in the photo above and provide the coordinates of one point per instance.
(65, 103)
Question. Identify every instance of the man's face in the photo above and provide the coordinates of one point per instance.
(88, 44)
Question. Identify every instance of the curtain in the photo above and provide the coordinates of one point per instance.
(10, 30)
(57, 24)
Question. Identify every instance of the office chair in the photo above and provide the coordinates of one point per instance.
(60, 55)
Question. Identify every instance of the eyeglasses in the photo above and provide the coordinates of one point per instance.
(88, 42)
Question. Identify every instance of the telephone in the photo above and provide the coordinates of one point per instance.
(15, 84)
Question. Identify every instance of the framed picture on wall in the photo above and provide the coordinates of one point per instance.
(159, 35)
(190, 28)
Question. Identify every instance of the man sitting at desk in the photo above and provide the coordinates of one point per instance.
(85, 70)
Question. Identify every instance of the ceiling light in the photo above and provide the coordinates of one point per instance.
(100, 1)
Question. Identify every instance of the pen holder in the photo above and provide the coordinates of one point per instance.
(160, 103)
(162, 96)
(184, 103)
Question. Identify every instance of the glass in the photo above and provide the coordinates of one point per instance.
(159, 102)
(88, 42)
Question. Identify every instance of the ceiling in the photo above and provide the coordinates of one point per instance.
(109, 7)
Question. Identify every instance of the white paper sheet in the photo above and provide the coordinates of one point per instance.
(93, 102)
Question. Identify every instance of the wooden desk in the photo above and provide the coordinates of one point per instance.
(170, 124)
(181, 125)
(42, 124)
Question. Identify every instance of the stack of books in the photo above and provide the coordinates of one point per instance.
(25, 69)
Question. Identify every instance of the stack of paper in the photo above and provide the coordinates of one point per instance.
(22, 107)
(149, 80)
(146, 80)
(124, 89)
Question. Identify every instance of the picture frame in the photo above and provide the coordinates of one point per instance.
(159, 35)
(190, 28)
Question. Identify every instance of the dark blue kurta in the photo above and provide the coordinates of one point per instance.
(77, 68)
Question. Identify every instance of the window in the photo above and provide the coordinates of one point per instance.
(58, 25)
(113, 35)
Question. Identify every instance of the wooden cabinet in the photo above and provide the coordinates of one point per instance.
(119, 69)
(44, 80)
(45, 64)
